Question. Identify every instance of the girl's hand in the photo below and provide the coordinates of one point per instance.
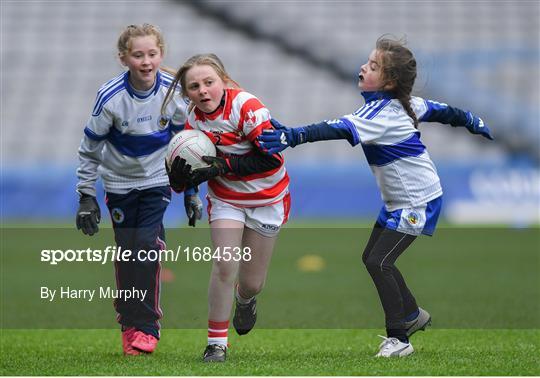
(475, 125)
(218, 167)
(276, 140)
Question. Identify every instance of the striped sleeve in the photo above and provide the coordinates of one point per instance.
(253, 116)
(107, 92)
(363, 121)
(98, 126)
(434, 111)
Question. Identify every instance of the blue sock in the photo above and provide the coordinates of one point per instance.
(398, 334)
(412, 316)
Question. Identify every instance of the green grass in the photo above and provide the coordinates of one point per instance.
(481, 285)
(466, 278)
(273, 352)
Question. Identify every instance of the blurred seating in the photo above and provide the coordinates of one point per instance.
(56, 55)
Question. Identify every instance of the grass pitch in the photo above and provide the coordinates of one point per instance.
(318, 315)
(273, 352)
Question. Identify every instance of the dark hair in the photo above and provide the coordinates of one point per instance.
(398, 71)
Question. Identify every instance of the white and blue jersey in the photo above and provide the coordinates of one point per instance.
(126, 137)
(404, 171)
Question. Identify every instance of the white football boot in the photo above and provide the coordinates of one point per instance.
(392, 347)
(419, 324)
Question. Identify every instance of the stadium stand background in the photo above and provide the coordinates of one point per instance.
(301, 59)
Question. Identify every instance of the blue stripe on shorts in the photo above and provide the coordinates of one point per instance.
(413, 221)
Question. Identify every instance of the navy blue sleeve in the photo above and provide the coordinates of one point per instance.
(176, 128)
(258, 162)
(443, 113)
(330, 130)
(191, 191)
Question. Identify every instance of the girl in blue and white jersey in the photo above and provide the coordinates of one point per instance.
(125, 142)
(386, 127)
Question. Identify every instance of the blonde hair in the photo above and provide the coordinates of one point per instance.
(133, 31)
(211, 60)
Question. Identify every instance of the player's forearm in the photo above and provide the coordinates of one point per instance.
(326, 130)
(86, 185)
(254, 163)
(87, 175)
(445, 114)
(89, 161)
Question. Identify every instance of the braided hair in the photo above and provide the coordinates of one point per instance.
(398, 71)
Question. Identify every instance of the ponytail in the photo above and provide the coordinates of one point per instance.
(406, 103)
(398, 71)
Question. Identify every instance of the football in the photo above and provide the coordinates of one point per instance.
(190, 145)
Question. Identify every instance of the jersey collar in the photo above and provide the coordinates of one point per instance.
(129, 89)
(216, 113)
(377, 95)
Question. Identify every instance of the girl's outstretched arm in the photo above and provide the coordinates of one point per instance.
(281, 137)
(446, 114)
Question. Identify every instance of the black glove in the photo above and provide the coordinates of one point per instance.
(218, 167)
(88, 215)
(194, 206)
(179, 174)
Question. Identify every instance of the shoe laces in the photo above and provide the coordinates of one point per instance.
(250, 307)
(388, 342)
(215, 347)
(146, 337)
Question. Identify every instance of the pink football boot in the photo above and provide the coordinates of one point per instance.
(127, 337)
(143, 342)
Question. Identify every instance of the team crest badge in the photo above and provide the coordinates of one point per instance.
(163, 122)
(250, 118)
(412, 217)
(117, 215)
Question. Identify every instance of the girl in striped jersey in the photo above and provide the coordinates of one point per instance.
(248, 192)
(124, 142)
(386, 127)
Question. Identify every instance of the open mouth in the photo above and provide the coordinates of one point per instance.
(361, 77)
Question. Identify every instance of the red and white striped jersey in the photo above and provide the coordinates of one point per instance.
(234, 128)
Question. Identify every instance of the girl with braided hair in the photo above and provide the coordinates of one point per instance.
(386, 127)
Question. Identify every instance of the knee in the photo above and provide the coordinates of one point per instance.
(374, 264)
(365, 257)
(250, 289)
(370, 264)
(223, 273)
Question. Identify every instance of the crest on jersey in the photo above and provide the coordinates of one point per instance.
(250, 119)
(117, 215)
(412, 218)
(163, 121)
